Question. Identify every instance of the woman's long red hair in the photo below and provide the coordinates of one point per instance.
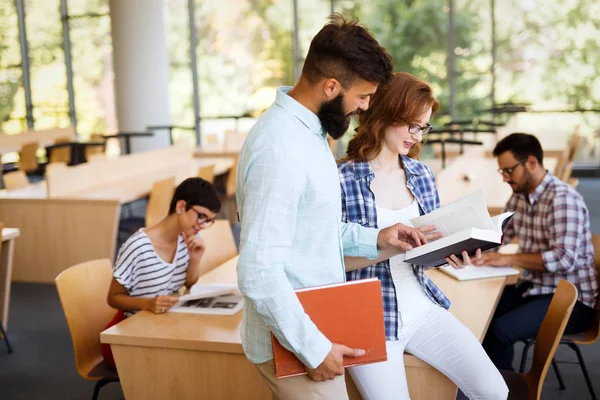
(400, 102)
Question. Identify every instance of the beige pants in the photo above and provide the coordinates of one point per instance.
(301, 387)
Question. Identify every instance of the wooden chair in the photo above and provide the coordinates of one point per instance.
(159, 200)
(561, 161)
(82, 291)
(28, 160)
(207, 173)
(589, 336)
(3, 333)
(574, 182)
(158, 206)
(566, 173)
(61, 154)
(55, 166)
(528, 386)
(15, 180)
(95, 150)
(220, 245)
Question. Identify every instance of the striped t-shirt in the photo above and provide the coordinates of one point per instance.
(143, 273)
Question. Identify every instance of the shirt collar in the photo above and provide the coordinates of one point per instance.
(303, 114)
(363, 169)
(537, 192)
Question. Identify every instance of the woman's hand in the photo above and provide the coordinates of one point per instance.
(456, 263)
(161, 304)
(195, 246)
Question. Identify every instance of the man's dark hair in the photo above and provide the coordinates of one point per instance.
(196, 192)
(522, 145)
(345, 50)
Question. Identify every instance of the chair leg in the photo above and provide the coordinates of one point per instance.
(100, 384)
(5, 336)
(561, 384)
(583, 368)
(528, 344)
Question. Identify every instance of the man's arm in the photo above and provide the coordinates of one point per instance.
(271, 189)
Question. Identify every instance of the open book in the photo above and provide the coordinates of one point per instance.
(465, 224)
(210, 299)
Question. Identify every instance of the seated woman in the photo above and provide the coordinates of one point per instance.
(382, 184)
(155, 262)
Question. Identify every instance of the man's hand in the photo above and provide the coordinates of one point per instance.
(430, 232)
(457, 263)
(333, 364)
(494, 259)
(401, 237)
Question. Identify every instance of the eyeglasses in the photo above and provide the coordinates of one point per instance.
(414, 129)
(202, 219)
(508, 171)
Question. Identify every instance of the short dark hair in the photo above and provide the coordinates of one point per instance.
(196, 192)
(345, 50)
(522, 145)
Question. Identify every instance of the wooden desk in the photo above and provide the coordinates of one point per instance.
(190, 356)
(6, 264)
(10, 143)
(35, 190)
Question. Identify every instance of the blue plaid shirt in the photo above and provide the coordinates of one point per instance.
(358, 205)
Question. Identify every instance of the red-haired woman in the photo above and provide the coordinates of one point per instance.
(381, 164)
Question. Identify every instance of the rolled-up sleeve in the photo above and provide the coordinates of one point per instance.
(566, 222)
(271, 190)
(359, 241)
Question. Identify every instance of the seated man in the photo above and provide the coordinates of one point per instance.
(552, 226)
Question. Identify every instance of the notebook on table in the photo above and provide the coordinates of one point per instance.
(348, 313)
(472, 272)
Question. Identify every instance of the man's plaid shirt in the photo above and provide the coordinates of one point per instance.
(554, 221)
(358, 205)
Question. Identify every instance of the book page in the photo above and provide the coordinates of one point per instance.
(467, 212)
(209, 289)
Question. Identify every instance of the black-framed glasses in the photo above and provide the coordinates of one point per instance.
(415, 129)
(202, 219)
(508, 171)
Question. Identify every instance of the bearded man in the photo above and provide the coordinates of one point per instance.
(552, 226)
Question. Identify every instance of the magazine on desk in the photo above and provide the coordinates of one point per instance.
(210, 299)
(465, 224)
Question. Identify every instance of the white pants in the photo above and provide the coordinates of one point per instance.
(443, 342)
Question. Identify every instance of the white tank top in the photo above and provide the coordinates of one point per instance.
(410, 295)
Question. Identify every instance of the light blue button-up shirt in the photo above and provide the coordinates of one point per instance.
(289, 203)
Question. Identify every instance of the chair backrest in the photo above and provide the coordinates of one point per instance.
(231, 178)
(573, 182)
(82, 290)
(574, 145)
(594, 331)
(61, 154)
(549, 335)
(566, 173)
(211, 139)
(207, 173)
(92, 150)
(159, 200)
(220, 245)
(54, 166)
(15, 180)
(28, 160)
(561, 161)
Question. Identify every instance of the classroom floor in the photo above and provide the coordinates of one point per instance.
(42, 366)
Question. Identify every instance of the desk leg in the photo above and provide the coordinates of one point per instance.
(424, 383)
(6, 262)
(148, 373)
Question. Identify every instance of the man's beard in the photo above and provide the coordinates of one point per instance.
(333, 118)
(525, 185)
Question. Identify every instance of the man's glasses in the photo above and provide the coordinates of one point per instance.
(414, 129)
(202, 219)
(508, 171)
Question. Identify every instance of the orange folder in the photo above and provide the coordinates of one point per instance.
(348, 313)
